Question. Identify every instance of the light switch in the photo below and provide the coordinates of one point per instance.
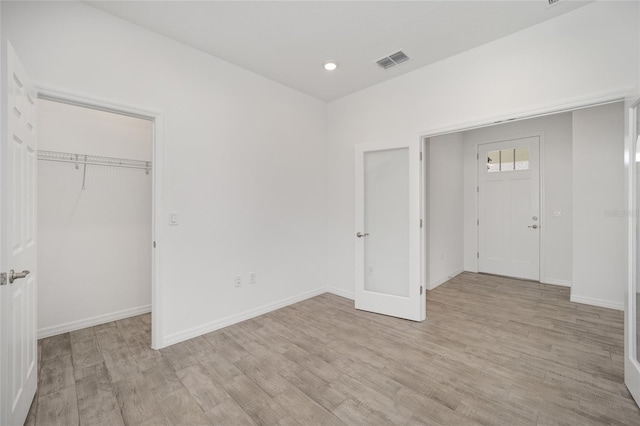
(173, 219)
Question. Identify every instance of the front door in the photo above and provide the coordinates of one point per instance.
(387, 234)
(509, 208)
(18, 353)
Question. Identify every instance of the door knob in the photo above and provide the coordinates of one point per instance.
(360, 234)
(533, 226)
(16, 275)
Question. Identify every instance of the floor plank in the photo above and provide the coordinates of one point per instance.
(492, 351)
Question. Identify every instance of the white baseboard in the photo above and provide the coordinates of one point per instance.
(90, 322)
(199, 330)
(553, 281)
(342, 293)
(444, 279)
(598, 302)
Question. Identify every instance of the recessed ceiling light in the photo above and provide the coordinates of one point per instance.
(330, 66)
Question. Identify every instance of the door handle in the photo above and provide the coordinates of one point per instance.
(17, 275)
(533, 226)
(360, 234)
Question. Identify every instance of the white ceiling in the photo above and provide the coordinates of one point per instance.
(289, 41)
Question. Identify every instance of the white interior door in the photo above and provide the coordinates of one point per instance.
(387, 234)
(509, 208)
(631, 311)
(18, 230)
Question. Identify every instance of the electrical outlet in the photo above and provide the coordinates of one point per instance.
(237, 281)
(252, 278)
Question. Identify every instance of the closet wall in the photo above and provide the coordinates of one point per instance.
(94, 252)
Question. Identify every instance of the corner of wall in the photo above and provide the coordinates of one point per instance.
(619, 306)
(201, 329)
(436, 283)
(340, 292)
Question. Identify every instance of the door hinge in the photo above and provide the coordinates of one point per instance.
(477, 188)
(420, 289)
(477, 156)
(420, 155)
(3, 278)
(477, 255)
(478, 222)
(420, 223)
(154, 244)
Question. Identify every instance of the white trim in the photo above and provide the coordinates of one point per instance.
(550, 109)
(62, 95)
(181, 336)
(92, 321)
(471, 268)
(542, 263)
(342, 293)
(598, 302)
(425, 217)
(157, 221)
(444, 279)
(553, 281)
(632, 138)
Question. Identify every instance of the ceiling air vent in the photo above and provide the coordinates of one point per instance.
(553, 1)
(392, 60)
(399, 57)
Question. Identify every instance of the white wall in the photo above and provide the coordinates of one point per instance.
(555, 178)
(552, 64)
(74, 129)
(94, 245)
(245, 159)
(600, 218)
(445, 216)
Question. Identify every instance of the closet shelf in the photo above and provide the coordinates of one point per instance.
(93, 160)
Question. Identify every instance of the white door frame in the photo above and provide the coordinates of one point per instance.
(425, 135)
(631, 362)
(157, 176)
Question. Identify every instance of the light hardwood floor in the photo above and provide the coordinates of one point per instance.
(493, 351)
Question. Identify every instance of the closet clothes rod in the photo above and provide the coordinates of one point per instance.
(93, 160)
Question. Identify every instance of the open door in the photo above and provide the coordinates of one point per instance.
(18, 354)
(632, 303)
(387, 234)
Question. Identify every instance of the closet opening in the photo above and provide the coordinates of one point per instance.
(95, 227)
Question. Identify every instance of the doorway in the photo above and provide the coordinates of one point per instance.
(452, 196)
(149, 168)
(94, 216)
